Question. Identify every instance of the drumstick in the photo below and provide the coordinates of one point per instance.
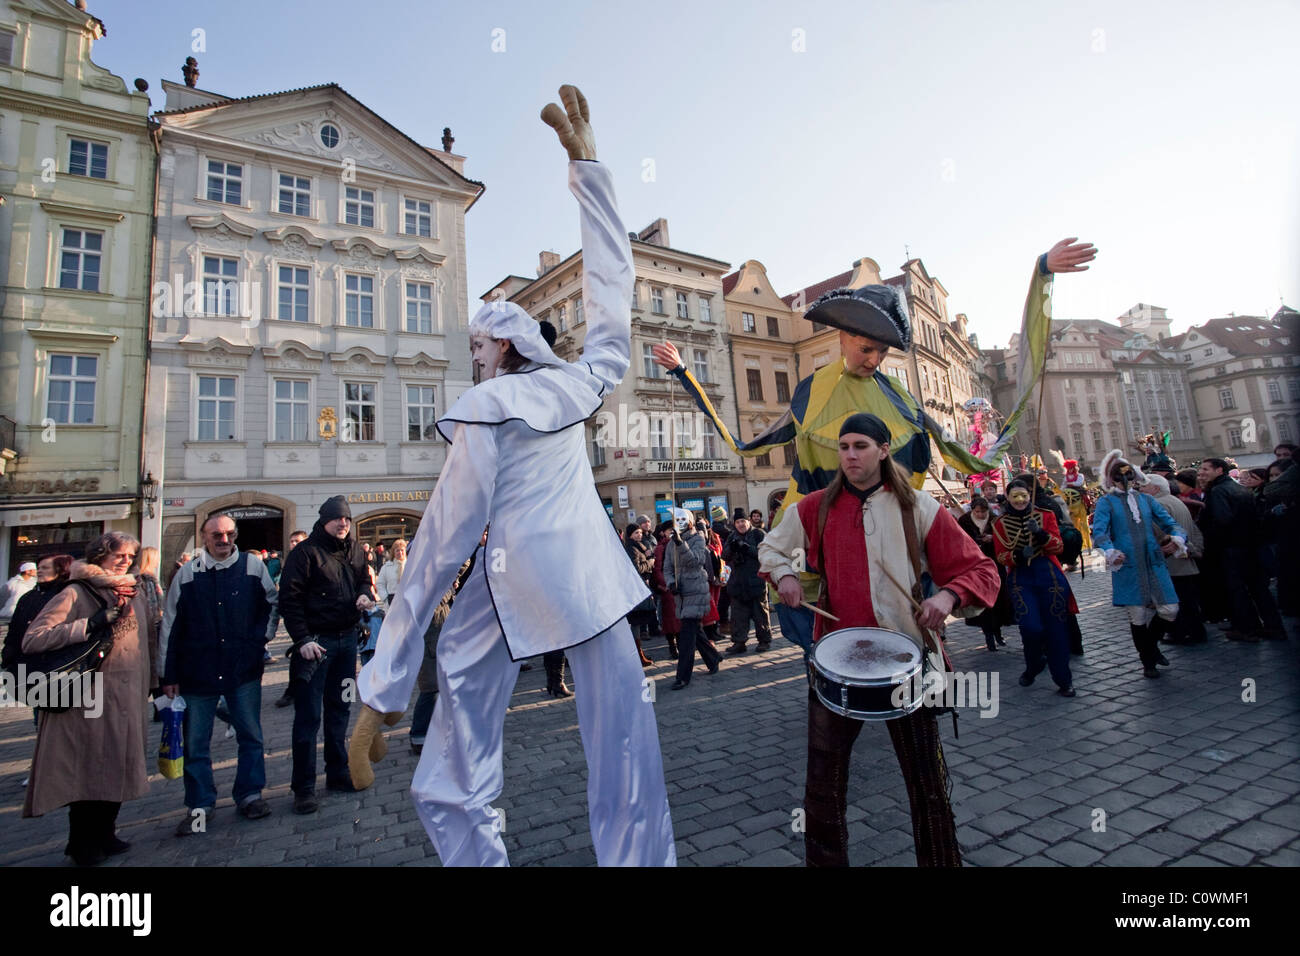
(817, 610)
(911, 600)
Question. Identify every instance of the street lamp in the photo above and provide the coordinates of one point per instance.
(149, 491)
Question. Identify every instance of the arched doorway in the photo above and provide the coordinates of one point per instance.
(261, 527)
(377, 529)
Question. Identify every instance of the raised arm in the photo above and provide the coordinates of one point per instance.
(607, 272)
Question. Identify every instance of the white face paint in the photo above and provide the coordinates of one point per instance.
(486, 354)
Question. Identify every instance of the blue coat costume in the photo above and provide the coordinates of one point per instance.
(1143, 580)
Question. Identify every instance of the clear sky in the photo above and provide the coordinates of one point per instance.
(806, 135)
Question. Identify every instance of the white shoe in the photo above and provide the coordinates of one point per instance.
(230, 732)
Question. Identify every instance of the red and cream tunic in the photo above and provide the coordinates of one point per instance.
(863, 536)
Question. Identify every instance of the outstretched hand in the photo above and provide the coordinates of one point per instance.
(572, 124)
(666, 355)
(1069, 255)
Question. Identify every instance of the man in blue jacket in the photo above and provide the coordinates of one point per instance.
(214, 634)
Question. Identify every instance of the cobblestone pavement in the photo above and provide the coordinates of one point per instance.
(1184, 770)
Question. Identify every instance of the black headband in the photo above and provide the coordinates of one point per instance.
(863, 423)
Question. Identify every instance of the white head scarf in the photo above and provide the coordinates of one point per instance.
(505, 320)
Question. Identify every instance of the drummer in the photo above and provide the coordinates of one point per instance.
(848, 532)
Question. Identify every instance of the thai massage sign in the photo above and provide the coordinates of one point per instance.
(688, 465)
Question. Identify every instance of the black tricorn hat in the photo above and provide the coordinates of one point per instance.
(876, 311)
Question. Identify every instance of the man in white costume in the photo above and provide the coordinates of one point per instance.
(552, 574)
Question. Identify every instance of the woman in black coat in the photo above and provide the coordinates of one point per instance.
(978, 523)
(52, 576)
(642, 617)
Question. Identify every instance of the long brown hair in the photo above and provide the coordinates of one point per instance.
(892, 476)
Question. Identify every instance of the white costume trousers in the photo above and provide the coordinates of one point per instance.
(460, 771)
(1140, 616)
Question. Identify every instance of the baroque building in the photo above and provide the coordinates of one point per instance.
(310, 313)
(76, 199)
(650, 448)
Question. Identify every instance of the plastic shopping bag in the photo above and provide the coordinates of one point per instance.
(171, 748)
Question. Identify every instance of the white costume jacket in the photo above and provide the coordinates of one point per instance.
(557, 574)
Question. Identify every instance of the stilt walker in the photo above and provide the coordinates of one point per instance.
(551, 576)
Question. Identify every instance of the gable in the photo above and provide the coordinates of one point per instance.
(294, 122)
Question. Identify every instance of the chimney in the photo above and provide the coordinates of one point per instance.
(546, 261)
(447, 139)
(191, 72)
(656, 234)
(961, 324)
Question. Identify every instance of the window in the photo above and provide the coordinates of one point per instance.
(1069, 385)
(88, 159)
(1073, 407)
(220, 285)
(710, 449)
(359, 206)
(1208, 352)
(418, 218)
(1133, 407)
(901, 375)
(359, 301)
(216, 408)
(1089, 385)
(1234, 437)
(79, 260)
(1126, 377)
(1110, 406)
(578, 315)
(597, 452)
(636, 302)
(419, 307)
(290, 410)
(683, 309)
(1092, 408)
(1275, 391)
(1293, 389)
(1088, 358)
(420, 417)
(70, 399)
(649, 367)
(1097, 443)
(782, 388)
(788, 454)
(358, 411)
(925, 379)
(755, 381)
(658, 441)
(764, 460)
(657, 300)
(701, 365)
(6, 47)
(1283, 430)
(706, 309)
(747, 321)
(1220, 370)
(685, 437)
(329, 135)
(293, 290)
(821, 360)
(1077, 438)
(773, 327)
(561, 318)
(295, 195)
(225, 182)
(1226, 401)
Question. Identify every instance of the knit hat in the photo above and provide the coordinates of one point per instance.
(336, 507)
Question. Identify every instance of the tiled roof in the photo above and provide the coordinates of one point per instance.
(1239, 334)
(729, 282)
(811, 293)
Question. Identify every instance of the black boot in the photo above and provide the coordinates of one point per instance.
(554, 662)
(1144, 641)
(672, 646)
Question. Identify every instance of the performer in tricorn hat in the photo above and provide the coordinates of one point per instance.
(551, 575)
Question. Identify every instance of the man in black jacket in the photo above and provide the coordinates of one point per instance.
(324, 587)
(214, 633)
(747, 591)
(1231, 528)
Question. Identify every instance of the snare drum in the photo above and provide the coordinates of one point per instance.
(858, 670)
